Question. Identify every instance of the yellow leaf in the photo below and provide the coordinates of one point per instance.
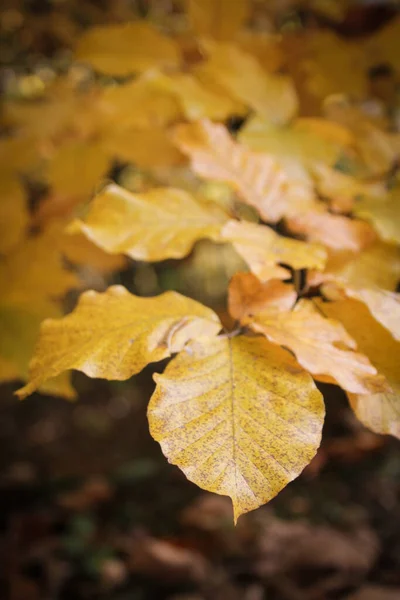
(248, 296)
(81, 251)
(19, 328)
(34, 271)
(220, 19)
(376, 266)
(147, 148)
(312, 338)
(76, 169)
(377, 148)
(265, 47)
(383, 213)
(298, 146)
(198, 100)
(335, 65)
(14, 215)
(238, 416)
(139, 104)
(262, 249)
(334, 231)
(116, 334)
(380, 412)
(383, 305)
(159, 224)
(343, 190)
(257, 178)
(269, 95)
(125, 49)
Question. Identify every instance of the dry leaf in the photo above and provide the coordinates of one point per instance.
(238, 416)
(312, 338)
(159, 224)
(380, 412)
(248, 296)
(220, 19)
(257, 178)
(383, 213)
(116, 334)
(334, 231)
(126, 49)
(35, 271)
(262, 249)
(383, 305)
(271, 96)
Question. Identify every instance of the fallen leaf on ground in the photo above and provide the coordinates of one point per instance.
(220, 19)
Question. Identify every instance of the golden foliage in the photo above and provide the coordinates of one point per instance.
(159, 224)
(238, 416)
(116, 334)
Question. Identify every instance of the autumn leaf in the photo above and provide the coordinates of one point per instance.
(258, 179)
(76, 169)
(269, 95)
(248, 296)
(383, 305)
(34, 271)
(116, 334)
(19, 328)
(383, 213)
(300, 146)
(334, 231)
(198, 100)
(148, 148)
(263, 249)
(79, 250)
(220, 19)
(377, 266)
(312, 338)
(343, 191)
(14, 215)
(126, 49)
(159, 224)
(238, 416)
(380, 412)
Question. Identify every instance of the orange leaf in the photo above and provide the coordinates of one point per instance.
(312, 338)
(248, 296)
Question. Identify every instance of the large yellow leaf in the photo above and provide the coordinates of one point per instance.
(220, 19)
(383, 305)
(248, 296)
(34, 271)
(383, 213)
(262, 249)
(19, 328)
(79, 250)
(380, 412)
(116, 334)
(14, 215)
(312, 338)
(126, 49)
(159, 224)
(269, 95)
(257, 178)
(238, 416)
